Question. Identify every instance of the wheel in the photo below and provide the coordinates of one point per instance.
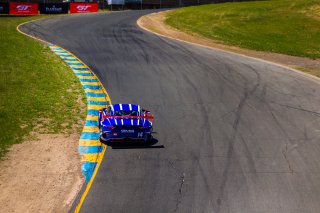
(148, 138)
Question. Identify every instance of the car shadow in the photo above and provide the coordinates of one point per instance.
(135, 145)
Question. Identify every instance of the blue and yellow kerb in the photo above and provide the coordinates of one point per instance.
(90, 147)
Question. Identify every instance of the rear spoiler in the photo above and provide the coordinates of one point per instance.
(148, 117)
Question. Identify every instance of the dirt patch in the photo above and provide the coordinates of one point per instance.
(41, 175)
(155, 23)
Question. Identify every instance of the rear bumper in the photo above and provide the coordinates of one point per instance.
(122, 140)
(118, 136)
(125, 139)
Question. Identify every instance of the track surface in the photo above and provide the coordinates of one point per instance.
(239, 135)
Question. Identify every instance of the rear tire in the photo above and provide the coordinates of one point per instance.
(148, 138)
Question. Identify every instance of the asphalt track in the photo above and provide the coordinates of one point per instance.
(239, 135)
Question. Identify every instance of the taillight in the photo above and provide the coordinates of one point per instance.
(110, 127)
(143, 127)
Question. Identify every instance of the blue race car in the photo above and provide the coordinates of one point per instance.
(125, 122)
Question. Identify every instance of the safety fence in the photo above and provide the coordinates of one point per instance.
(33, 7)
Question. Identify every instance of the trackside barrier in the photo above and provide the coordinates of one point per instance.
(23, 8)
(54, 8)
(84, 7)
(28, 8)
(4, 8)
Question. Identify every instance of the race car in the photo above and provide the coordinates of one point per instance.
(125, 122)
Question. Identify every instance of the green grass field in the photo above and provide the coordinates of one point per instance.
(283, 26)
(38, 92)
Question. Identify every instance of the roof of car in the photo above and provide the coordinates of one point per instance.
(132, 107)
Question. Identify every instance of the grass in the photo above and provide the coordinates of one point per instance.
(38, 92)
(282, 26)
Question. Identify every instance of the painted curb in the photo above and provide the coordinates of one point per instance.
(90, 148)
(306, 75)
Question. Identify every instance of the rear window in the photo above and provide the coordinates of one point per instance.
(126, 113)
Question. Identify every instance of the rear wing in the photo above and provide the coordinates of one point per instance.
(148, 117)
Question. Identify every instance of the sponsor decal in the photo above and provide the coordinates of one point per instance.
(127, 131)
(23, 8)
(54, 8)
(83, 7)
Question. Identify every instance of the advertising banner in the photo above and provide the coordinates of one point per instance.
(84, 7)
(4, 8)
(23, 8)
(53, 8)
